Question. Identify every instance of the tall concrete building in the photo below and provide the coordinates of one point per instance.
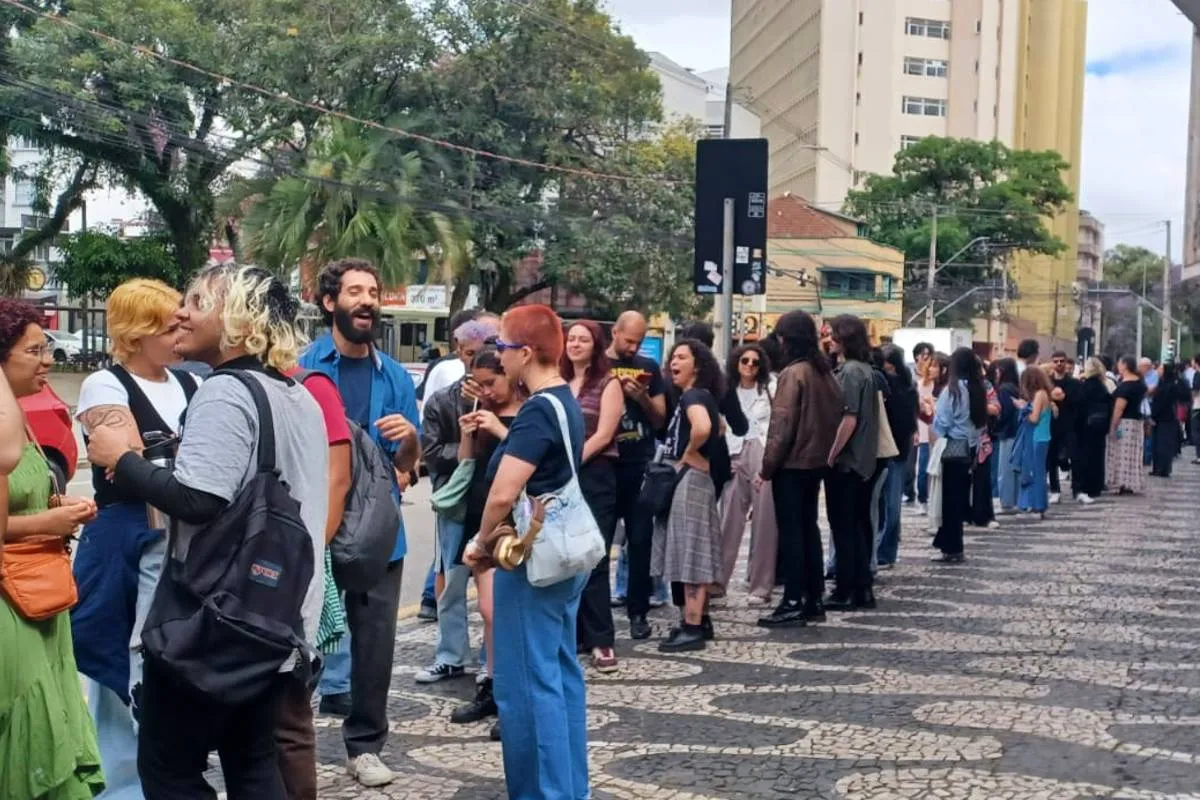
(843, 85)
(1090, 269)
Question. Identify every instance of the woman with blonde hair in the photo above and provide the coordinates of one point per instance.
(1092, 421)
(121, 553)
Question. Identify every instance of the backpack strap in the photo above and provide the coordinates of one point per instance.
(266, 425)
(145, 415)
(188, 382)
(563, 429)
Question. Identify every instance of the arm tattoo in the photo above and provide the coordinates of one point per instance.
(119, 418)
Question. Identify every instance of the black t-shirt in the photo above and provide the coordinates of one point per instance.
(535, 438)
(635, 435)
(1069, 405)
(1133, 392)
(679, 432)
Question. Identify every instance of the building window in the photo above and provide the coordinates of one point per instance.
(860, 22)
(908, 141)
(931, 28)
(889, 287)
(851, 284)
(856, 138)
(23, 193)
(924, 106)
(860, 58)
(927, 67)
(21, 143)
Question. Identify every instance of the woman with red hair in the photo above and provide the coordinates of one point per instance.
(586, 369)
(536, 677)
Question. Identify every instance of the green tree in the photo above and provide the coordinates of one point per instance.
(356, 195)
(979, 188)
(95, 263)
(631, 245)
(172, 132)
(1125, 264)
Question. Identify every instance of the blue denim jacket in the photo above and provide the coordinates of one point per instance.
(392, 392)
(952, 419)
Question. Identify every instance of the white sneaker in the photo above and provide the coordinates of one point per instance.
(922, 509)
(1055, 497)
(369, 771)
(993, 525)
(1086, 499)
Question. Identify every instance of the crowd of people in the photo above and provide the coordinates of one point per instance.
(238, 566)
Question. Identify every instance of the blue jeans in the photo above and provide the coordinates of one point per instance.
(888, 540)
(117, 741)
(662, 595)
(1036, 496)
(923, 473)
(429, 593)
(335, 679)
(454, 641)
(539, 688)
(1005, 475)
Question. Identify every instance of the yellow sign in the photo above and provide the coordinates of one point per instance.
(36, 280)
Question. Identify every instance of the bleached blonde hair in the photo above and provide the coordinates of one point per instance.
(258, 313)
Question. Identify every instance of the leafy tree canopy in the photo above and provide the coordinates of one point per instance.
(1124, 265)
(979, 188)
(95, 263)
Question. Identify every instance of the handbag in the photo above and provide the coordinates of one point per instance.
(957, 450)
(658, 487)
(568, 542)
(450, 499)
(886, 447)
(508, 549)
(35, 573)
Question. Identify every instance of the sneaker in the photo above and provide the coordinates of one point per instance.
(787, 615)
(482, 707)
(617, 602)
(657, 602)
(639, 628)
(1055, 497)
(683, 639)
(440, 672)
(482, 677)
(369, 771)
(884, 566)
(922, 509)
(1196, 460)
(1086, 499)
(993, 525)
(604, 660)
(428, 612)
(757, 600)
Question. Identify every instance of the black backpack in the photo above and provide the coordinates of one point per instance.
(227, 617)
(363, 546)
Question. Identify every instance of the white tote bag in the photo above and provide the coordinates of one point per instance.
(570, 542)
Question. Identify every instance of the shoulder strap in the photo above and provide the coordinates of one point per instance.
(188, 381)
(266, 425)
(563, 429)
(145, 415)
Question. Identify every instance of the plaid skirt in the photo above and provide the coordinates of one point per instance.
(1124, 468)
(687, 545)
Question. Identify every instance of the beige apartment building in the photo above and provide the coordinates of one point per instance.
(1090, 268)
(842, 85)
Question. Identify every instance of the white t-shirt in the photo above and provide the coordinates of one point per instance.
(104, 389)
(757, 408)
(442, 375)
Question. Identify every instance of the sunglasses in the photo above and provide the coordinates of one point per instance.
(749, 362)
(502, 345)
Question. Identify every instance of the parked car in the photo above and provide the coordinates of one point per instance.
(64, 345)
(50, 420)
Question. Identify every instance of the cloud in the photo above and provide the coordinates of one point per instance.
(692, 33)
(1136, 60)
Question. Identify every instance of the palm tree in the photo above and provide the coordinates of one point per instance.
(355, 195)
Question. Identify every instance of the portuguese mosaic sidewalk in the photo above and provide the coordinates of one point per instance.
(1062, 660)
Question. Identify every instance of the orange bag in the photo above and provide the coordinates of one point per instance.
(36, 577)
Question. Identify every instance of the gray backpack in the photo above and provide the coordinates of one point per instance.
(363, 545)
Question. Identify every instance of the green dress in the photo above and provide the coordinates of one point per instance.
(48, 746)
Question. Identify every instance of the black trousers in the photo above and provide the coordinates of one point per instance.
(1052, 462)
(956, 501)
(1165, 441)
(848, 505)
(982, 511)
(910, 475)
(371, 618)
(594, 624)
(1088, 472)
(639, 530)
(796, 495)
(180, 727)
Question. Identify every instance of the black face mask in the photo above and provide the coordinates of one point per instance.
(344, 320)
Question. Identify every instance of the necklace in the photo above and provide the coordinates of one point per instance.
(545, 383)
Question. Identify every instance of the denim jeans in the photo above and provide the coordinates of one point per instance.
(539, 688)
(150, 566)
(335, 679)
(1009, 479)
(117, 741)
(887, 547)
(454, 641)
(923, 472)
(429, 593)
(1036, 496)
(620, 589)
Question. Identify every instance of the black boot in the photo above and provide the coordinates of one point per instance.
(494, 734)
(482, 707)
(786, 615)
(814, 611)
(864, 599)
(683, 639)
(706, 627)
(639, 628)
(838, 601)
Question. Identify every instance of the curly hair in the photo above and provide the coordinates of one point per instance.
(708, 371)
(259, 314)
(329, 282)
(15, 318)
(762, 375)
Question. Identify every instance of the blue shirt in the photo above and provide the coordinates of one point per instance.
(952, 419)
(354, 384)
(391, 392)
(536, 438)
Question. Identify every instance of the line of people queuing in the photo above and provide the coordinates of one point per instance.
(685, 457)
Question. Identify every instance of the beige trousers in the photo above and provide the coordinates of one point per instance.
(738, 501)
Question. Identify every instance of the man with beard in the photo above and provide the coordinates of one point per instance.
(379, 396)
(1062, 427)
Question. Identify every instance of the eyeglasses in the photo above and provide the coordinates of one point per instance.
(749, 362)
(502, 345)
(41, 351)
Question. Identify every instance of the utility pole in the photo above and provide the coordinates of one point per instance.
(1166, 306)
(723, 343)
(726, 133)
(1140, 313)
(932, 276)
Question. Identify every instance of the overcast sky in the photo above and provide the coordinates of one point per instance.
(1136, 107)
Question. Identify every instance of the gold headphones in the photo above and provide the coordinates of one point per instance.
(507, 547)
